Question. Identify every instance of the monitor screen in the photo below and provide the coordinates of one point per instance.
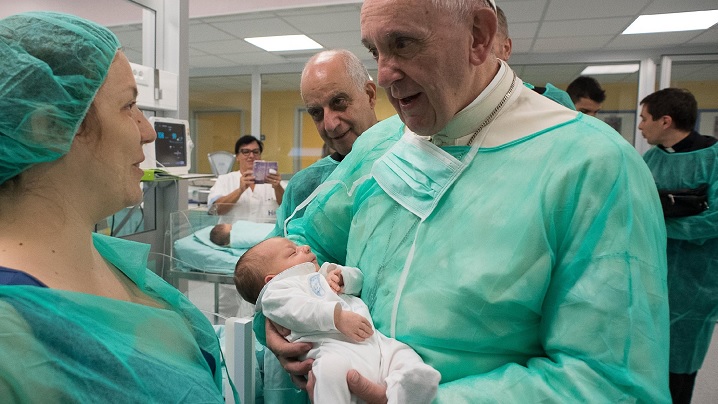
(171, 144)
(172, 148)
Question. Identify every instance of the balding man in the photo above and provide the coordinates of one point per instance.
(340, 97)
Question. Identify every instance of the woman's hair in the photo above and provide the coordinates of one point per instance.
(247, 139)
(52, 66)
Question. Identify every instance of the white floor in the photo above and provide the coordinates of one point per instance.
(706, 391)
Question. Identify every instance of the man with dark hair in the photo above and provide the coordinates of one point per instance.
(685, 167)
(586, 94)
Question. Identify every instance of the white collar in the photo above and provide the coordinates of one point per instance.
(460, 128)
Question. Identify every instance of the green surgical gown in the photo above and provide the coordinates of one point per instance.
(60, 346)
(555, 94)
(302, 184)
(692, 255)
(539, 277)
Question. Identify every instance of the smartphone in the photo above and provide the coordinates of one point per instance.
(261, 168)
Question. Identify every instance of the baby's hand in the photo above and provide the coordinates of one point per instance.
(355, 326)
(336, 280)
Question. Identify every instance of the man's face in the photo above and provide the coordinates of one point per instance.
(587, 106)
(423, 60)
(652, 130)
(339, 109)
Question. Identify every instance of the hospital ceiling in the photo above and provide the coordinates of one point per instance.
(552, 39)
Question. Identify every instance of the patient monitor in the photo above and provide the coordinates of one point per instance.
(172, 149)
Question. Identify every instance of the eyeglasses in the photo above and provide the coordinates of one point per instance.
(246, 152)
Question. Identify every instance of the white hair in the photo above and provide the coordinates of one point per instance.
(460, 8)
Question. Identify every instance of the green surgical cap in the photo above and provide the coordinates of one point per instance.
(51, 66)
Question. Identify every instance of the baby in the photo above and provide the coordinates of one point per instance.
(220, 234)
(285, 282)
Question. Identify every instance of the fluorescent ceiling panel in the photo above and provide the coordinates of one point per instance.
(610, 69)
(284, 43)
(689, 21)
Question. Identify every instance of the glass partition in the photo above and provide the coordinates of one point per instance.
(220, 112)
(285, 140)
(699, 75)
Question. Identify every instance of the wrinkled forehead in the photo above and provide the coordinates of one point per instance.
(323, 81)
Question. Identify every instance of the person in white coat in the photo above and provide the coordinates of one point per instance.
(236, 196)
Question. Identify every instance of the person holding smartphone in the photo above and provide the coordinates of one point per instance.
(239, 195)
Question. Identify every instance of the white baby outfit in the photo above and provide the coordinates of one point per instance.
(301, 300)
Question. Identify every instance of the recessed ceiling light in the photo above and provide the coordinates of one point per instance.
(283, 43)
(689, 21)
(610, 69)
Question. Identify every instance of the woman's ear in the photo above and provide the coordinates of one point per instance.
(483, 30)
(91, 124)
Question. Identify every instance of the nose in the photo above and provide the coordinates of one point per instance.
(331, 119)
(388, 71)
(147, 132)
(304, 249)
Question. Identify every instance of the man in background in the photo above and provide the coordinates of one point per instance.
(340, 98)
(586, 94)
(681, 163)
(503, 45)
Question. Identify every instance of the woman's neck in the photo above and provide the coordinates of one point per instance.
(42, 236)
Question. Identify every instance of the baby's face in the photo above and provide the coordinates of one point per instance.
(286, 254)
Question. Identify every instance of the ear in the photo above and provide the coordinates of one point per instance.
(269, 278)
(666, 121)
(484, 25)
(370, 90)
